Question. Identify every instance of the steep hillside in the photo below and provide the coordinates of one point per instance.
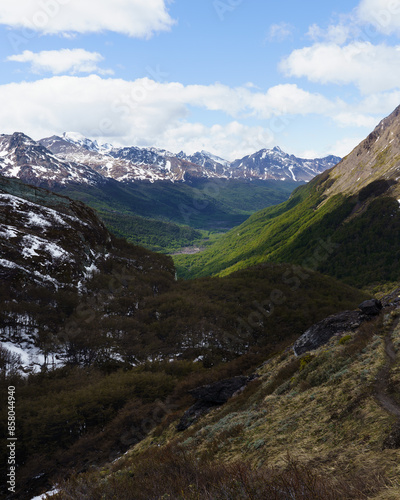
(377, 158)
(345, 222)
(324, 425)
(55, 254)
(133, 354)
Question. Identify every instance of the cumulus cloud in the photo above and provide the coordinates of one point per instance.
(149, 113)
(354, 119)
(134, 18)
(372, 68)
(289, 99)
(61, 61)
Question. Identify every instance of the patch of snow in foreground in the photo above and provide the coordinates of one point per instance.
(31, 358)
(37, 220)
(32, 243)
(43, 496)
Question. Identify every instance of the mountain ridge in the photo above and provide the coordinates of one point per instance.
(76, 159)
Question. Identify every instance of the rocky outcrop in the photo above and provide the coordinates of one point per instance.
(371, 307)
(320, 333)
(211, 396)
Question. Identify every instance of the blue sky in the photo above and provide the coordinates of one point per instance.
(227, 76)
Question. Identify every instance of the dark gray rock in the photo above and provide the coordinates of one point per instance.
(371, 307)
(320, 333)
(210, 396)
(220, 392)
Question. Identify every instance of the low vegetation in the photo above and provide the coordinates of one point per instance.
(308, 428)
(136, 341)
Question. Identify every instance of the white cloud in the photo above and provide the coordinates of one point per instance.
(61, 61)
(289, 99)
(353, 118)
(335, 33)
(144, 112)
(280, 32)
(384, 15)
(345, 146)
(372, 68)
(136, 18)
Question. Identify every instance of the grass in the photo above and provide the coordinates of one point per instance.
(174, 473)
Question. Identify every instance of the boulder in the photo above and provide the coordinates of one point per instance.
(210, 396)
(371, 307)
(320, 333)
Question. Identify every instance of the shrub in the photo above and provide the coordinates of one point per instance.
(345, 339)
(174, 473)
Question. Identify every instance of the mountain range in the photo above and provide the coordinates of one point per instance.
(74, 159)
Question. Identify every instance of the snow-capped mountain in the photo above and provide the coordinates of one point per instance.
(72, 158)
(126, 164)
(80, 140)
(31, 162)
(209, 162)
(276, 164)
(134, 163)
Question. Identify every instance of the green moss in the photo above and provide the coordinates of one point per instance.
(345, 339)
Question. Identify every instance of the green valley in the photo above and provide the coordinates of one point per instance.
(165, 216)
(336, 230)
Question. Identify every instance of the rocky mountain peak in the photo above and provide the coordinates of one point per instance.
(377, 158)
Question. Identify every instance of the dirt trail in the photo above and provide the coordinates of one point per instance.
(382, 379)
(381, 394)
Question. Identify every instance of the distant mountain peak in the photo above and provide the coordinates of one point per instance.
(73, 158)
(89, 144)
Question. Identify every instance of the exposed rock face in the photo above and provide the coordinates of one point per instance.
(371, 307)
(210, 396)
(320, 333)
(374, 160)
